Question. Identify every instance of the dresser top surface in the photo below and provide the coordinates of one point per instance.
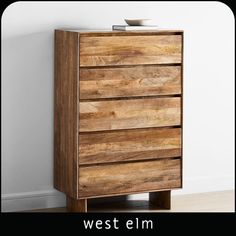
(117, 32)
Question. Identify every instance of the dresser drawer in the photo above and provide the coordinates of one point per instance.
(129, 81)
(130, 50)
(128, 114)
(129, 177)
(129, 145)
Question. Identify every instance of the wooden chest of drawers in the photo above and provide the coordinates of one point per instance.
(118, 115)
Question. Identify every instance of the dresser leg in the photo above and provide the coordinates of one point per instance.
(160, 199)
(76, 205)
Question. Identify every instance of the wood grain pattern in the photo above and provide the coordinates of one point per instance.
(130, 50)
(101, 33)
(127, 114)
(131, 150)
(76, 205)
(160, 199)
(129, 177)
(129, 145)
(129, 81)
(65, 112)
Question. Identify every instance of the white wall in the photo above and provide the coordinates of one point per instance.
(27, 90)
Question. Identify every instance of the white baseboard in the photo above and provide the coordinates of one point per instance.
(32, 200)
(197, 185)
(206, 184)
(52, 198)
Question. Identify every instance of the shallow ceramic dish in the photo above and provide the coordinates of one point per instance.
(138, 22)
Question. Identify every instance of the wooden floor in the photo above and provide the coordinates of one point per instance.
(201, 202)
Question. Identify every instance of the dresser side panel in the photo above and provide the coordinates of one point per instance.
(66, 112)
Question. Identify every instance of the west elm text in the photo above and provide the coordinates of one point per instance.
(114, 224)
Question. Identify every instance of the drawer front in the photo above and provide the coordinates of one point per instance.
(129, 177)
(129, 81)
(128, 114)
(129, 145)
(130, 50)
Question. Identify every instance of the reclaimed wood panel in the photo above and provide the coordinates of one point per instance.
(127, 178)
(105, 147)
(129, 81)
(130, 50)
(99, 33)
(128, 114)
(66, 112)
